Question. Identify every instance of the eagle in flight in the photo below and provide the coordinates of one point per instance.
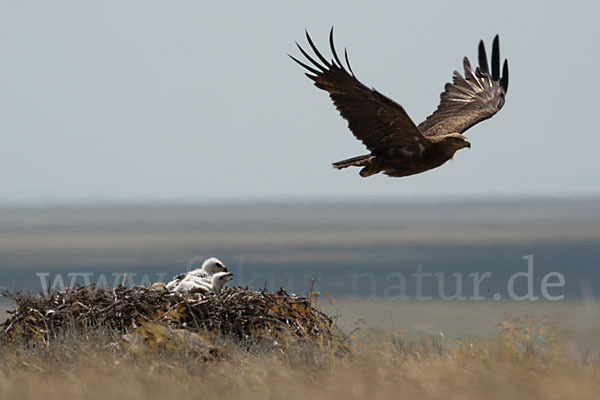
(398, 147)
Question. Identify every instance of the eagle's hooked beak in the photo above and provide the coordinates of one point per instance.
(468, 145)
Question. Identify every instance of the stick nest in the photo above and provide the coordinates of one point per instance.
(242, 314)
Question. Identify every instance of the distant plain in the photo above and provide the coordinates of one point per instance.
(280, 244)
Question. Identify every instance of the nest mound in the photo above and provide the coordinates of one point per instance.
(242, 314)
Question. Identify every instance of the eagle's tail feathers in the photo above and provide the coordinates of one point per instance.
(359, 161)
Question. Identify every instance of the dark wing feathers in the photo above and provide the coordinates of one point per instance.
(483, 63)
(470, 99)
(373, 118)
(496, 59)
(504, 79)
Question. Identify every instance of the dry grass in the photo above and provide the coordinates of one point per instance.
(527, 361)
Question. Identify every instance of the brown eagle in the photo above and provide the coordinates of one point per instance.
(397, 146)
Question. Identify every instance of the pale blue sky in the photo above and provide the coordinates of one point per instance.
(186, 100)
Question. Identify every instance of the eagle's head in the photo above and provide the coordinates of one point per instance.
(213, 265)
(219, 280)
(455, 142)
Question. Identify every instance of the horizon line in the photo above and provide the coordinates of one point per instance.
(298, 200)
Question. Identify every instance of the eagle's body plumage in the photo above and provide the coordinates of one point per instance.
(210, 267)
(398, 147)
(214, 283)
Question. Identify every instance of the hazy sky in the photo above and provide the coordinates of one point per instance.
(190, 100)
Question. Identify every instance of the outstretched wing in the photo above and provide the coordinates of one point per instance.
(373, 118)
(472, 99)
